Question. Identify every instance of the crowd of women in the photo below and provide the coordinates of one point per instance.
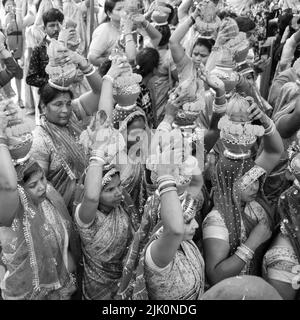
(157, 167)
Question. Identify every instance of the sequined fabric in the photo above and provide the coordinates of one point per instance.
(183, 279)
(35, 253)
(104, 244)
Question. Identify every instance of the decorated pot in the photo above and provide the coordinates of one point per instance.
(227, 75)
(19, 147)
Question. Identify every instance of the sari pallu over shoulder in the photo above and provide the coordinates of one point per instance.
(72, 156)
(34, 268)
(104, 245)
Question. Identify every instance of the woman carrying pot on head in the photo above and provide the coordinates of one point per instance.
(105, 217)
(39, 246)
(56, 144)
(190, 197)
(236, 230)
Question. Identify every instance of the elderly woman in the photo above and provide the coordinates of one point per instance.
(56, 140)
(281, 262)
(37, 237)
(235, 232)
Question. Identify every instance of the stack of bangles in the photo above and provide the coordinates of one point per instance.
(270, 129)
(89, 70)
(244, 253)
(96, 159)
(166, 183)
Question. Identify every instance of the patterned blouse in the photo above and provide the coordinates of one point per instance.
(181, 279)
(214, 225)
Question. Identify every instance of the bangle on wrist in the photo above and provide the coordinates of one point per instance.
(220, 97)
(165, 177)
(167, 190)
(97, 160)
(109, 78)
(87, 74)
(270, 129)
(219, 108)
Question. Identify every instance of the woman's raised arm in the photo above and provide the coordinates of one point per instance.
(9, 197)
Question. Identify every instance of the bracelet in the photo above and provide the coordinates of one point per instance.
(167, 190)
(270, 129)
(97, 159)
(244, 253)
(222, 96)
(248, 249)
(97, 154)
(193, 20)
(90, 73)
(165, 177)
(241, 256)
(109, 78)
(129, 40)
(219, 108)
(166, 184)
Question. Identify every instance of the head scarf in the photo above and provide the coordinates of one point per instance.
(230, 176)
(286, 100)
(26, 164)
(289, 202)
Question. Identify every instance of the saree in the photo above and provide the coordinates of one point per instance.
(58, 149)
(104, 245)
(133, 173)
(35, 250)
(182, 279)
(227, 199)
(281, 262)
(278, 181)
(133, 285)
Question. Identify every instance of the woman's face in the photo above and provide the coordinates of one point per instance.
(9, 5)
(249, 194)
(135, 131)
(117, 12)
(111, 195)
(36, 187)
(59, 110)
(200, 55)
(190, 229)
